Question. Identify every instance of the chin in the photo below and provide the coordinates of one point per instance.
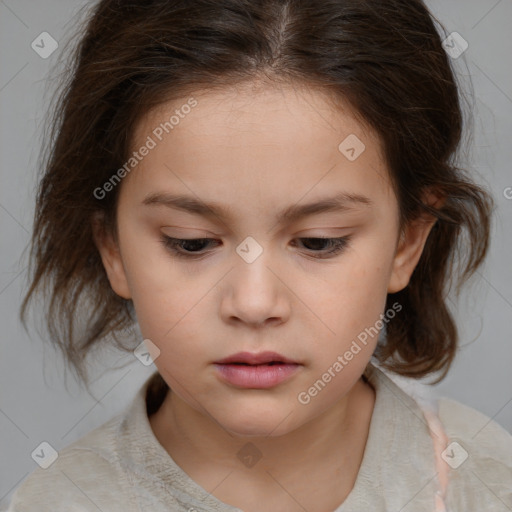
(258, 425)
(252, 432)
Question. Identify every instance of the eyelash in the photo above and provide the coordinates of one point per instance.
(172, 244)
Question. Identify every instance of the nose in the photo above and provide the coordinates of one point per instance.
(256, 294)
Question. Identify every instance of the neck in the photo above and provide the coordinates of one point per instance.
(335, 438)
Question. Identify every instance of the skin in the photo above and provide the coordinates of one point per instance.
(257, 150)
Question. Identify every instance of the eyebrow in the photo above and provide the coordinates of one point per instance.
(342, 201)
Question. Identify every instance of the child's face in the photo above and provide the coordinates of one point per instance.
(255, 155)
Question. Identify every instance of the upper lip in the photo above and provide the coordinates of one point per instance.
(259, 358)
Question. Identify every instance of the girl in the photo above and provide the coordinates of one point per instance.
(269, 190)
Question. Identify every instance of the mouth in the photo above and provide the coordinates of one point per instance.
(251, 359)
(256, 371)
(271, 363)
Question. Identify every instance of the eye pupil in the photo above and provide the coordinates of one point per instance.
(196, 243)
(318, 243)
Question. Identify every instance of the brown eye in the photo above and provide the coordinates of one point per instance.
(325, 247)
(186, 247)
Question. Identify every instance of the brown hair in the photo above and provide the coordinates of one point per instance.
(384, 56)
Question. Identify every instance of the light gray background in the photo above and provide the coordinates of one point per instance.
(34, 404)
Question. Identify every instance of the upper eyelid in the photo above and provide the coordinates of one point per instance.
(338, 247)
(315, 237)
(339, 239)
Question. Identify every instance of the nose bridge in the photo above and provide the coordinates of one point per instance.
(256, 292)
(252, 271)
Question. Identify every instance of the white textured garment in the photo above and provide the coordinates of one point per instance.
(121, 467)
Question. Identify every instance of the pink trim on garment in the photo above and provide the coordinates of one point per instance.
(440, 440)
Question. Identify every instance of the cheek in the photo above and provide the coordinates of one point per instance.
(161, 296)
(350, 304)
(153, 278)
(355, 290)
(170, 308)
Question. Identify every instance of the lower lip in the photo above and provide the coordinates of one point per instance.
(256, 376)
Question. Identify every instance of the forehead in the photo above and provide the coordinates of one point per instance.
(256, 141)
(266, 113)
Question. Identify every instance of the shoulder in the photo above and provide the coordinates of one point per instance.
(85, 476)
(480, 456)
(481, 435)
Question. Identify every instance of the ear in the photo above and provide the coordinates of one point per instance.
(110, 256)
(410, 246)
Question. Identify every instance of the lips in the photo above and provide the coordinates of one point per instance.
(256, 371)
(248, 358)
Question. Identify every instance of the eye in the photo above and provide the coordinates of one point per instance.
(186, 247)
(190, 248)
(335, 245)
